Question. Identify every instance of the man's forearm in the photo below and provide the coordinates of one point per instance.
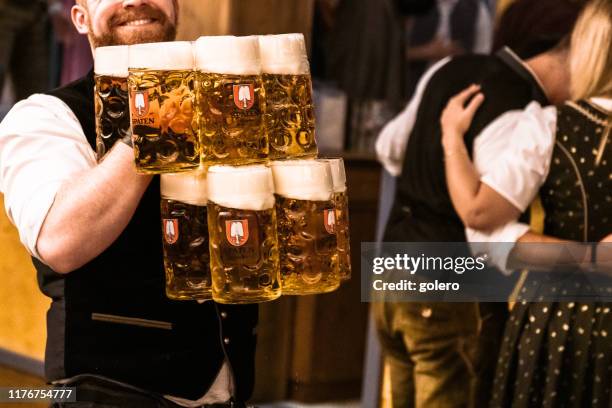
(91, 211)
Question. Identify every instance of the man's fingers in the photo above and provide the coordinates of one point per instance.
(474, 104)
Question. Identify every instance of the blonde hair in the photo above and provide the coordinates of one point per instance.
(591, 51)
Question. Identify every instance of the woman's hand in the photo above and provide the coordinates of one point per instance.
(457, 117)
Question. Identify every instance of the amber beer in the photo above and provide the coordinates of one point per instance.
(289, 117)
(185, 236)
(242, 230)
(111, 97)
(230, 100)
(342, 216)
(161, 88)
(306, 226)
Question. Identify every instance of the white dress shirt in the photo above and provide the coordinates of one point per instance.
(42, 145)
(393, 138)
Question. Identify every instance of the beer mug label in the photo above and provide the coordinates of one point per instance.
(244, 95)
(241, 245)
(324, 231)
(237, 232)
(171, 230)
(329, 220)
(140, 104)
(144, 112)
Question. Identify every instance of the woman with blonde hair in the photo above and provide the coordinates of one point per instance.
(555, 353)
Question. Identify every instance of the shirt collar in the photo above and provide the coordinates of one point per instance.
(521, 68)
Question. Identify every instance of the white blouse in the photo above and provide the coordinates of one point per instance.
(513, 153)
(512, 156)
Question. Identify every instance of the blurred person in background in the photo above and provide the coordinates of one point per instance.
(25, 45)
(365, 58)
(440, 354)
(27, 48)
(452, 27)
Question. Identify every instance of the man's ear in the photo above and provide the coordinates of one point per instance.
(80, 18)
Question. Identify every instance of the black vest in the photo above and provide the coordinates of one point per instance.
(111, 317)
(422, 210)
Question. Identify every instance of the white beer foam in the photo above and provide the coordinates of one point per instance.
(241, 187)
(188, 187)
(161, 56)
(226, 54)
(303, 179)
(338, 174)
(111, 61)
(283, 54)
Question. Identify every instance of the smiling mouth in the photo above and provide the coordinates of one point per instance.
(139, 22)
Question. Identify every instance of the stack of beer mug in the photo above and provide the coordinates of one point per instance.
(248, 212)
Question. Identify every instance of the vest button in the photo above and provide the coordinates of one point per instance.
(224, 314)
(226, 340)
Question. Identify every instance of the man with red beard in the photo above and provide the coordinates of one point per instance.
(93, 232)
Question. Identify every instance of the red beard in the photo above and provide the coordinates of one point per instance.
(162, 30)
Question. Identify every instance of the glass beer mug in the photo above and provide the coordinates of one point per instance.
(185, 236)
(289, 117)
(161, 81)
(342, 216)
(230, 100)
(111, 97)
(242, 230)
(306, 226)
